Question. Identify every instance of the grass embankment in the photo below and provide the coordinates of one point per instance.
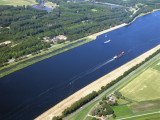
(17, 2)
(20, 66)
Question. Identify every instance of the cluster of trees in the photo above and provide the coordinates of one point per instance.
(25, 25)
(104, 108)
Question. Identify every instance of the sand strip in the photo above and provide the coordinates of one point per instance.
(94, 36)
(94, 86)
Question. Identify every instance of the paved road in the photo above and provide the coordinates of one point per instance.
(102, 94)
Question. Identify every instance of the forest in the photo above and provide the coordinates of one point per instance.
(26, 26)
(130, 3)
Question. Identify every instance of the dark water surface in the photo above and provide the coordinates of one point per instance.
(27, 93)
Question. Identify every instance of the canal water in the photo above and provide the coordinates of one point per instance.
(27, 93)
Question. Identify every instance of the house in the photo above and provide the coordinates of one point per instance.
(5, 43)
(102, 117)
(112, 99)
(158, 63)
(55, 39)
(11, 60)
(62, 37)
(45, 38)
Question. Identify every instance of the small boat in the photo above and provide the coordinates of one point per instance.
(119, 55)
(107, 41)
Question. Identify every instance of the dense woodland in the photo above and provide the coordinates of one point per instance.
(129, 3)
(25, 26)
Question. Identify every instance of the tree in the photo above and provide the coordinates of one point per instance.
(56, 118)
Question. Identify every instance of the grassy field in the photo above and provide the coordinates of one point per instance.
(17, 2)
(144, 87)
(146, 117)
(122, 101)
(145, 106)
(122, 110)
(144, 90)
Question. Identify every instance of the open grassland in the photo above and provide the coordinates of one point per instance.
(122, 101)
(155, 116)
(17, 2)
(122, 110)
(145, 106)
(144, 87)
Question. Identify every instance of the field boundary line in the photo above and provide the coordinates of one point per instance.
(139, 115)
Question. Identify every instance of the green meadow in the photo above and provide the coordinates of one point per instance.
(17, 2)
(143, 92)
(144, 87)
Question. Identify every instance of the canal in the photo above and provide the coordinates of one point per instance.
(29, 92)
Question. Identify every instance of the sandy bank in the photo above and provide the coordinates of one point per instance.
(94, 86)
(94, 36)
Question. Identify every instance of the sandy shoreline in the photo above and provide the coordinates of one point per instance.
(94, 86)
(95, 35)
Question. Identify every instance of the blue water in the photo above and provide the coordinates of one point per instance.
(27, 93)
(42, 7)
